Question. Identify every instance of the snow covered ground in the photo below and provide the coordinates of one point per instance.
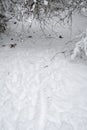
(40, 87)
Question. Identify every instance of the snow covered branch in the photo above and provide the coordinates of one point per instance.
(80, 46)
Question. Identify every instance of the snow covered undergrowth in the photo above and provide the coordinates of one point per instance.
(40, 90)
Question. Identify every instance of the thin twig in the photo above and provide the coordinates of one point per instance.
(57, 53)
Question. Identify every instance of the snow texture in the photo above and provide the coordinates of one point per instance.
(38, 89)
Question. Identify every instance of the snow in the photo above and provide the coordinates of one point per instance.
(41, 88)
(80, 46)
(45, 2)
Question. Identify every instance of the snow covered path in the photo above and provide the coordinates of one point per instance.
(39, 94)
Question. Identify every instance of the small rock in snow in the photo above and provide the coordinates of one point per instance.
(60, 36)
(13, 45)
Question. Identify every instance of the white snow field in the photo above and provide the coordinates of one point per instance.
(41, 89)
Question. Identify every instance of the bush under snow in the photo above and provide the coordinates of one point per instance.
(79, 47)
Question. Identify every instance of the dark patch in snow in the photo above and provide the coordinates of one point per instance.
(60, 36)
(29, 36)
(3, 45)
(13, 45)
(11, 38)
(45, 66)
(15, 22)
